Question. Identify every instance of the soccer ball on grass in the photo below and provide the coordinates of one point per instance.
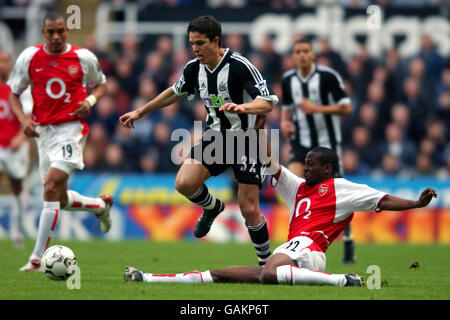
(58, 262)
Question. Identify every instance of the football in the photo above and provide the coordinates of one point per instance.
(58, 262)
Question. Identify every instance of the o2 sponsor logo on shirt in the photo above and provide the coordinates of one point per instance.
(56, 88)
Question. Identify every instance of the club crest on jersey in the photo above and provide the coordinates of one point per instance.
(323, 188)
(73, 70)
(222, 86)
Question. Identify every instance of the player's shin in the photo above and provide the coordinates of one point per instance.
(260, 238)
(289, 274)
(78, 202)
(203, 198)
(47, 223)
(188, 277)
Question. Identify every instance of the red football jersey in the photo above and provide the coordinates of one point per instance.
(322, 211)
(58, 81)
(9, 124)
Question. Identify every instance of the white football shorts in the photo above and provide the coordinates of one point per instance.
(61, 147)
(15, 164)
(305, 252)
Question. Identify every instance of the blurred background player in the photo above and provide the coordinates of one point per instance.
(222, 78)
(320, 207)
(313, 100)
(58, 73)
(14, 152)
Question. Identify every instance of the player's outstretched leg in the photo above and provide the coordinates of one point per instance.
(101, 206)
(349, 247)
(286, 274)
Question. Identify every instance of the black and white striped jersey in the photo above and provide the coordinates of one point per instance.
(234, 79)
(323, 86)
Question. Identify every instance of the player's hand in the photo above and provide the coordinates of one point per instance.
(127, 120)
(307, 106)
(16, 142)
(232, 107)
(426, 197)
(84, 109)
(287, 129)
(28, 126)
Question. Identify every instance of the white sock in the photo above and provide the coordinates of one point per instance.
(78, 202)
(47, 224)
(17, 208)
(289, 274)
(188, 277)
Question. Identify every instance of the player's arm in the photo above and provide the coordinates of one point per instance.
(287, 126)
(26, 121)
(390, 202)
(340, 109)
(84, 107)
(257, 106)
(164, 99)
(332, 81)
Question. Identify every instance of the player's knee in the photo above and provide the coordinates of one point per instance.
(268, 276)
(51, 191)
(249, 209)
(183, 186)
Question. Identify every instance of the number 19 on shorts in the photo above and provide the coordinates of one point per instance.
(67, 151)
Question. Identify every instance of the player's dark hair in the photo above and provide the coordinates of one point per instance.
(326, 155)
(53, 16)
(302, 40)
(207, 25)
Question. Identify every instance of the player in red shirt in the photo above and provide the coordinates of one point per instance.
(320, 206)
(58, 73)
(14, 152)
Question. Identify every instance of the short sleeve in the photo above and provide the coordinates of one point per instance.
(186, 82)
(252, 80)
(352, 196)
(287, 101)
(336, 87)
(287, 185)
(91, 67)
(19, 79)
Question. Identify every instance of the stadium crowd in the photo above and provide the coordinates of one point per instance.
(399, 125)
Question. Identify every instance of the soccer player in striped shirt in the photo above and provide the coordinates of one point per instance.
(235, 95)
(320, 206)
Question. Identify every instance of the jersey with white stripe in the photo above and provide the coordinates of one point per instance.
(322, 211)
(234, 79)
(323, 86)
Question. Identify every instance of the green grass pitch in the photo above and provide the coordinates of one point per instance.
(102, 265)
